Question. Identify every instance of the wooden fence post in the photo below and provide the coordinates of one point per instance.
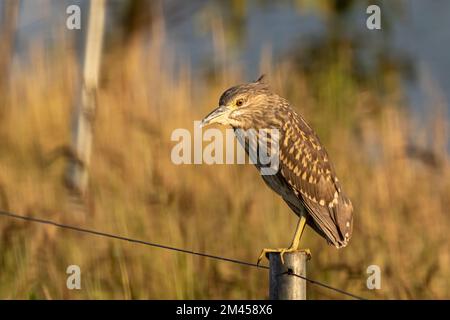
(284, 285)
(77, 174)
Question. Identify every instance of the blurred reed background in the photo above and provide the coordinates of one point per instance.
(392, 160)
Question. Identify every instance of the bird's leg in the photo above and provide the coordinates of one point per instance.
(298, 233)
(294, 245)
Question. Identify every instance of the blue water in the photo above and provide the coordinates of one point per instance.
(420, 31)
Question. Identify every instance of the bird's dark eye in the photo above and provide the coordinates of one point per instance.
(239, 102)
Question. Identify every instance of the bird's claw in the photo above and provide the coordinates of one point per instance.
(261, 256)
(308, 254)
(282, 251)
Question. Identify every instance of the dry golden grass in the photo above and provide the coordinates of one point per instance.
(401, 203)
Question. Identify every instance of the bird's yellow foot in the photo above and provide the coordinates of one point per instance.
(282, 251)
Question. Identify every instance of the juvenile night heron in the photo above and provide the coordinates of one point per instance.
(305, 177)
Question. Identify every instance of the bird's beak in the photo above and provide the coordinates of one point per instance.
(218, 115)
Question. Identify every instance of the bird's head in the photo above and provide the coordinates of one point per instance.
(244, 106)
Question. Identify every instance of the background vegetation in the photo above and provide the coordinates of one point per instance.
(394, 165)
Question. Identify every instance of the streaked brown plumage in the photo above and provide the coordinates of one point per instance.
(306, 179)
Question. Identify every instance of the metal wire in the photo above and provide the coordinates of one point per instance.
(152, 244)
(289, 272)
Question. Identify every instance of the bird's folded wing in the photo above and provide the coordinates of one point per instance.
(305, 165)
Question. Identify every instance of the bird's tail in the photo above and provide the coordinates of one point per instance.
(344, 220)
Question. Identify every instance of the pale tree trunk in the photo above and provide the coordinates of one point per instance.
(8, 26)
(85, 102)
